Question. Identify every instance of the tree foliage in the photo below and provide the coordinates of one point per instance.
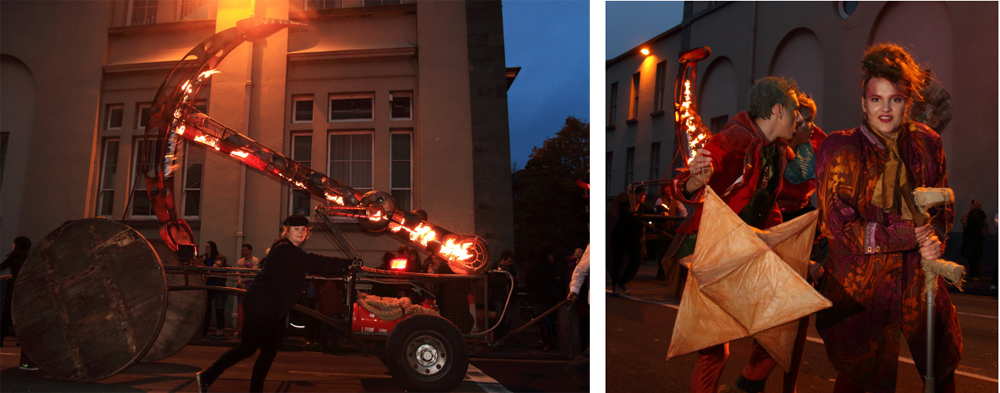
(550, 207)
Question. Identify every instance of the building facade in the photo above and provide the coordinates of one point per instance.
(819, 45)
(407, 97)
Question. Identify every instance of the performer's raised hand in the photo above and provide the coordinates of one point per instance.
(701, 171)
(930, 245)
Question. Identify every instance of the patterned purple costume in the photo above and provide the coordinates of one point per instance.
(875, 280)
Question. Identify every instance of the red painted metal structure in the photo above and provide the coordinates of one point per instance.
(173, 117)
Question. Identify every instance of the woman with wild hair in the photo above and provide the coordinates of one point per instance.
(866, 180)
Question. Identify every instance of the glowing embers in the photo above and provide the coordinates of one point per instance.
(688, 116)
(454, 250)
(208, 140)
(398, 264)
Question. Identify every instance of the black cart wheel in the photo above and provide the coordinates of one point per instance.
(427, 353)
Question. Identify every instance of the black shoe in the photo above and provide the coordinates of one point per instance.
(202, 384)
(28, 367)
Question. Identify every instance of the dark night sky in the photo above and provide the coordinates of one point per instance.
(630, 23)
(550, 41)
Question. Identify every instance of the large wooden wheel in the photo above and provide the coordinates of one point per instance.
(90, 300)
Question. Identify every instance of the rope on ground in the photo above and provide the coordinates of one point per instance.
(390, 308)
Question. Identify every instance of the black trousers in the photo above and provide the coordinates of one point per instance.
(263, 324)
(620, 249)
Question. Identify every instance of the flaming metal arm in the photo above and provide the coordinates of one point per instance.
(174, 117)
(690, 130)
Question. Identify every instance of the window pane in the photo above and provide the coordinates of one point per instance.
(401, 106)
(192, 203)
(105, 203)
(114, 116)
(340, 171)
(403, 199)
(143, 12)
(359, 108)
(400, 146)
(400, 174)
(302, 148)
(300, 202)
(303, 111)
(613, 107)
(141, 204)
(361, 148)
(361, 176)
(110, 167)
(300, 199)
(143, 116)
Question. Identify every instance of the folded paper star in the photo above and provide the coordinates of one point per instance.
(746, 282)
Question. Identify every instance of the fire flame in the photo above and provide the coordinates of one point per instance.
(456, 251)
(398, 264)
(696, 137)
(208, 73)
(239, 153)
(210, 141)
(423, 234)
(335, 199)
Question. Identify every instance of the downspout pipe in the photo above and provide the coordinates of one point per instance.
(241, 213)
(753, 45)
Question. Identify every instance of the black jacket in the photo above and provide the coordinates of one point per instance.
(283, 278)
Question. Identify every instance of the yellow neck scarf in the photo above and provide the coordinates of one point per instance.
(893, 192)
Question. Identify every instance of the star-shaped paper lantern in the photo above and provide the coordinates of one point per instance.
(746, 282)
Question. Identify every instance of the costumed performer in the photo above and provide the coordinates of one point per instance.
(867, 176)
(744, 164)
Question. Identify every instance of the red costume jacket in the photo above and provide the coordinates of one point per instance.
(736, 169)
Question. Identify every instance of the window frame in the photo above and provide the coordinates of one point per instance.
(294, 111)
(135, 178)
(109, 110)
(371, 161)
(139, 109)
(293, 189)
(103, 177)
(660, 89)
(629, 166)
(146, 20)
(633, 110)
(185, 189)
(350, 96)
(392, 102)
(613, 104)
(393, 188)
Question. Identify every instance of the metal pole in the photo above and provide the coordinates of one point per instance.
(929, 377)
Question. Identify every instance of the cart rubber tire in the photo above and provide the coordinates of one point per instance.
(427, 353)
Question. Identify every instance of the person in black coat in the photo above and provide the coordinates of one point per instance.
(268, 301)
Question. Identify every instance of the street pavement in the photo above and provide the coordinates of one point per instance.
(640, 323)
(518, 366)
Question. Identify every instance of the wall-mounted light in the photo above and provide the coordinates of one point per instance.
(644, 51)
